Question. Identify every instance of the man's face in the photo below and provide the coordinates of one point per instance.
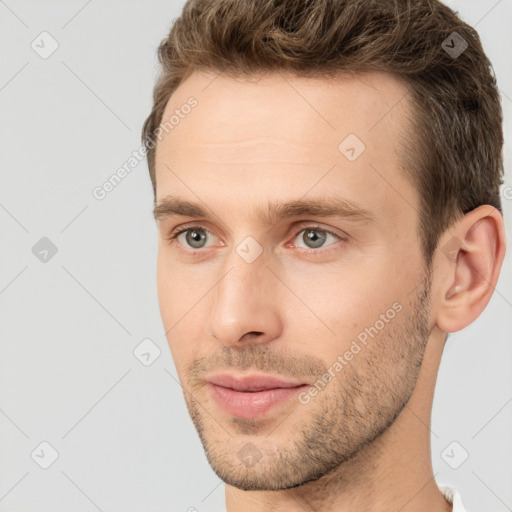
(333, 306)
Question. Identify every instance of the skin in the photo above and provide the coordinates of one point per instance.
(363, 442)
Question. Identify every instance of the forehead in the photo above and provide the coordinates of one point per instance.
(371, 102)
(279, 135)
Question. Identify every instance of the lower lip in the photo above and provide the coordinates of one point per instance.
(244, 404)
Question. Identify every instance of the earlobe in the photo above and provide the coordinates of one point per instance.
(469, 260)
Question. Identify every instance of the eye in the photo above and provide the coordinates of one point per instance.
(315, 237)
(193, 237)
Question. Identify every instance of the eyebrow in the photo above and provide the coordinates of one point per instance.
(329, 207)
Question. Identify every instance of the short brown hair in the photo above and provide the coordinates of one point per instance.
(456, 164)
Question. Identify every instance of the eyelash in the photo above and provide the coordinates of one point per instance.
(171, 238)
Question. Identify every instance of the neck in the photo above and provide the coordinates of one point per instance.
(393, 473)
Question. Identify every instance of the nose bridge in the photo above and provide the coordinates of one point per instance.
(243, 301)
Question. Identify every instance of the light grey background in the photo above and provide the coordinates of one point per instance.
(69, 326)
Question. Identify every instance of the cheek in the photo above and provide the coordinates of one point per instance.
(172, 300)
(176, 290)
(334, 305)
(167, 291)
(182, 312)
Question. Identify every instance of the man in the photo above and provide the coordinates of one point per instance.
(326, 178)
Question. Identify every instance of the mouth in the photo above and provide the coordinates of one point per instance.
(251, 396)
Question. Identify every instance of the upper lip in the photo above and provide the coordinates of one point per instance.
(251, 382)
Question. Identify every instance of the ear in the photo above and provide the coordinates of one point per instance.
(468, 262)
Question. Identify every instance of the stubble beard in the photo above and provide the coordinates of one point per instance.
(355, 408)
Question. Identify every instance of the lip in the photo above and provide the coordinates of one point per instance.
(250, 396)
(252, 382)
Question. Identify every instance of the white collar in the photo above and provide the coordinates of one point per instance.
(453, 497)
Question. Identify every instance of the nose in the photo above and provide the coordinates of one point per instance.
(244, 304)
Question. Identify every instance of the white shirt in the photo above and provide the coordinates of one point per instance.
(453, 497)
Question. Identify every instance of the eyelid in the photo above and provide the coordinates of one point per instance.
(305, 226)
(176, 232)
